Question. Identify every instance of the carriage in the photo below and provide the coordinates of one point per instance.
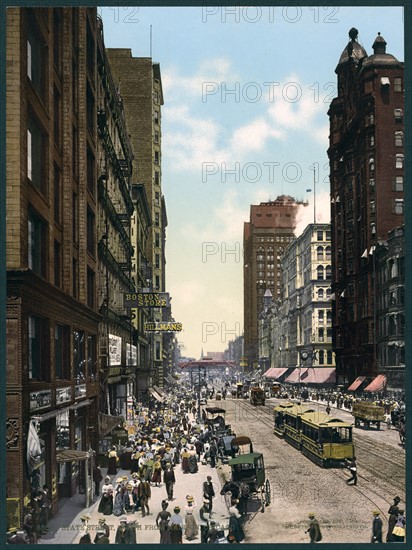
(257, 395)
(215, 417)
(248, 471)
(368, 413)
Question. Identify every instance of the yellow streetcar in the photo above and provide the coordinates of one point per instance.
(325, 440)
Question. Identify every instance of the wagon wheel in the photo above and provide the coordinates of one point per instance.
(267, 492)
(262, 499)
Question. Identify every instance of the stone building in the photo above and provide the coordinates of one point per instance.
(141, 89)
(265, 237)
(52, 315)
(390, 308)
(366, 154)
(118, 345)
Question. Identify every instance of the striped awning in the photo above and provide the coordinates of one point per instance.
(156, 395)
(377, 384)
(295, 375)
(355, 385)
(275, 373)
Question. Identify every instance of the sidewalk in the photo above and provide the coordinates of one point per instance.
(65, 527)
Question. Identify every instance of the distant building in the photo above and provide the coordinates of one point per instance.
(366, 153)
(266, 235)
(141, 88)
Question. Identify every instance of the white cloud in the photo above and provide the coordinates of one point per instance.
(306, 213)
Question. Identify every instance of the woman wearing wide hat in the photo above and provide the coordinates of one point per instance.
(393, 514)
(113, 458)
(191, 528)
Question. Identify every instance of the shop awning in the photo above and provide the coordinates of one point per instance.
(154, 393)
(275, 373)
(377, 384)
(107, 422)
(355, 385)
(320, 375)
(160, 391)
(69, 455)
(293, 378)
(267, 373)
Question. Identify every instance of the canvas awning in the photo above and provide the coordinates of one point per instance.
(293, 378)
(320, 375)
(154, 393)
(267, 373)
(69, 455)
(107, 422)
(356, 383)
(275, 373)
(377, 384)
(159, 391)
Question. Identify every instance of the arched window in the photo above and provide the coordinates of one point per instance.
(320, 294)
(319, 253)
(321, 357)
(320, 274)
(328, 272)
(328, 250)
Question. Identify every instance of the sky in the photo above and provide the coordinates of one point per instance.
(246, 95)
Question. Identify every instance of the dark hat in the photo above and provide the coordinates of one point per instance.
(209, 477)
(397, 499)
(176, 509)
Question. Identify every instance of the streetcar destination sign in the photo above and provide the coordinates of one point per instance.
(146, 299)
(160, 326)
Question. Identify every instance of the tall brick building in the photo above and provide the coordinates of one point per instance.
(52, 318)
(366, 156)
(265, 237)
(141, 88)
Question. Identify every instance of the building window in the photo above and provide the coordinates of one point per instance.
(74, 218)
(157, 240)
(372, 184)
(157, 219)
(74, 278)
(36, 60)
(36, 155)
(320, 235)
(398, 206)
(91, 357)
(90, 114)
(57, 263)
(397, 84)
(156, 157)
(62, 352)
(319, 253)
(157, 198)
(371, 140)
(329, 335)
(320, 294)
(321, 316)
(320, 274)
(373, 228)
(371, 164)
(157, 261)
(79, 356)
(57, 194)
(328, 272)
(90, 231)
(38, 358)
(321, 357)
(158, 351)
(398, 114)
(90, 171)
(321, 334)
(156, 137)
(157, 282)
(399, 161)
(90, 288)
(399, 139)
(328, 251)
(36, 244)
(57, 116)
(90, 50)
(156, 117)
(157, 178)
(329, 357)
(399, 183)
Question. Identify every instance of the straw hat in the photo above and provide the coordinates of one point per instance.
(189, 498)
(376, 512)
(119, 480)
(311, 515)
(176, 509)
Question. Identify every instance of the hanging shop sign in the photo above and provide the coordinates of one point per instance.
(159, 326)
(146, 299)
(115, 350)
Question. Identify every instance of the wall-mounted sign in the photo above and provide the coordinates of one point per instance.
(115, 350)
(40, 399)
(63, 394)
(146, 299)
(159, 326)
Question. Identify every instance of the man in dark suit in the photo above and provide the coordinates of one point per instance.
(209, 492)
(144, 494)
